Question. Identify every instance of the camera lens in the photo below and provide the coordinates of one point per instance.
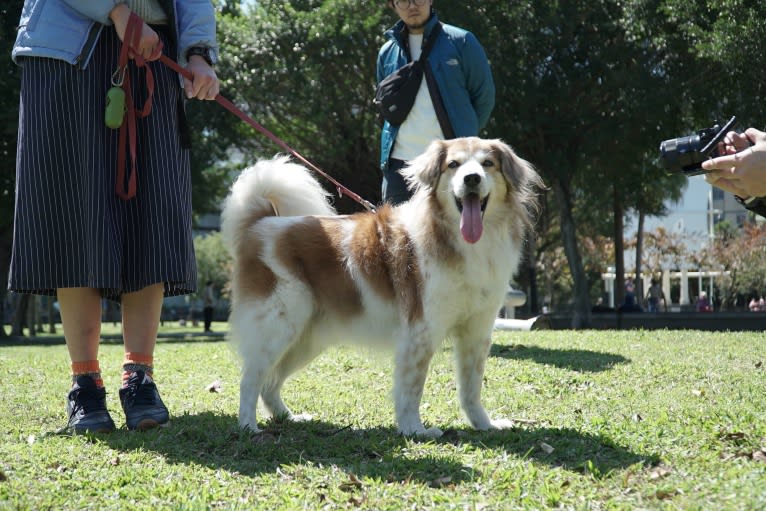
(680, 153)
(686, 154)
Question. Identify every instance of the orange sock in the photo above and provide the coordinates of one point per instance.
(136, 362)
(89, 368)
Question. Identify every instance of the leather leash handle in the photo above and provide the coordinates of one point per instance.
(127, 135)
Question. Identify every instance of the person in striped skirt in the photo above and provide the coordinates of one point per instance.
(77, 235)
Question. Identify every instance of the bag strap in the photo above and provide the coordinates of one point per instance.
(428, 42)
(436, 99)
(433, 88)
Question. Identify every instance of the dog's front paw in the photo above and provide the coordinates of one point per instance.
(422, 432)
(250, 427)
(486, 424)
(501, 424)
(431, 433)
(290, 417)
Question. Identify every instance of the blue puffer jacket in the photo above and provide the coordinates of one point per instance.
(68, 29)
(462, 73)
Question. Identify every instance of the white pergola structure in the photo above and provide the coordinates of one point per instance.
(703, 277)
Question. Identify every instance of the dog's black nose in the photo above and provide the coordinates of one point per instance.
(472, 179)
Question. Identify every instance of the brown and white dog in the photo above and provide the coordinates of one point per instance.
(406, 277)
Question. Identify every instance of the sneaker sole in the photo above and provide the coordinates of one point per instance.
(88, 431)
(148, 424)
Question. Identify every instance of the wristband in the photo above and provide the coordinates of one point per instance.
(755, 204)
(203, 52)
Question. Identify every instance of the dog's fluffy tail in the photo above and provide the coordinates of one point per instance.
(269, 188)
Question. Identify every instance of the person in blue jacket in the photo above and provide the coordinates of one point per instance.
(76, 236)
(461, 105)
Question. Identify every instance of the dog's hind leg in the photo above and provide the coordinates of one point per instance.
(297, 356)
(470, 359)
(264, 334)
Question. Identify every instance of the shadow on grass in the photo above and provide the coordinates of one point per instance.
(575, 360)
(216, 441)
(572, 450)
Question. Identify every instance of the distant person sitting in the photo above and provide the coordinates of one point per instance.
(208, 298)
(703, 304)
(600, 307)
(754, 306)
(630, 304)
(654, 296)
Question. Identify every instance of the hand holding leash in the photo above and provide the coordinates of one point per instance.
(204, 83)
(145, 43)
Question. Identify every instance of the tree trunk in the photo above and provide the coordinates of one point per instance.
(33, 316)
(581, 311)
(619, 249)
(51, 319)
(532, 302)
(20, 315)
(5, 262)
(3, 333)
(640, 293)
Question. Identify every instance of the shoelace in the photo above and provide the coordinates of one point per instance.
(89, 400)
(140, 392)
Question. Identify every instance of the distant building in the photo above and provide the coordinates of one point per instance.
(692, 219)
(727, 208)
(695, 216)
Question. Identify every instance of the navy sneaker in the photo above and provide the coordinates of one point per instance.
(86, 407)
(142, 404)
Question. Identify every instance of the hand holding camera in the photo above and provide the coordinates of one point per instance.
(734, 162)
(740, 166)
(686, 154)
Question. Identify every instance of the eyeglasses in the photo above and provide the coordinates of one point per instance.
(402, 4)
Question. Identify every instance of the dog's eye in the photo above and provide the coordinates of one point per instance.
(487, 163)
(453, 164)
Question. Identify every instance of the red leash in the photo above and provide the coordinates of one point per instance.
(228, 105)
(128, 128)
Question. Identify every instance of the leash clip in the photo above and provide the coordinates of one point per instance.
(115, 100)
(119, 76)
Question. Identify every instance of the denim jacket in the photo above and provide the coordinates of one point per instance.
(68, 29)
(462, 73)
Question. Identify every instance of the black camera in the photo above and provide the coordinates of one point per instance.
(686, 154)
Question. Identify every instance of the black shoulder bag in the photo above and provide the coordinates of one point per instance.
(396, 93)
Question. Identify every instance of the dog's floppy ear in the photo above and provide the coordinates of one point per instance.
(425, 170)
(517, 171)
(522, 176)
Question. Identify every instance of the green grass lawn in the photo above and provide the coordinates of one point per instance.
(605, 420)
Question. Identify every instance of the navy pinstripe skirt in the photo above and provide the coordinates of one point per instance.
(70, 227)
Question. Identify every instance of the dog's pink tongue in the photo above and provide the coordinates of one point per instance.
(470, 221)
